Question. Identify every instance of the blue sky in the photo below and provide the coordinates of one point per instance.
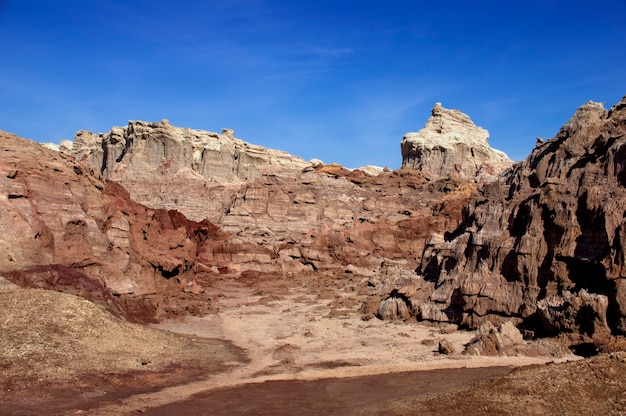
(341, 81)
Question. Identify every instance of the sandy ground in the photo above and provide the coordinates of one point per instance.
(291, 337)
(277, 351)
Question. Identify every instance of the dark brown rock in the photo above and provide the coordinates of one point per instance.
(542, 247)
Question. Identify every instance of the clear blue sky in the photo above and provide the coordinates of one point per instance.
(341, 81)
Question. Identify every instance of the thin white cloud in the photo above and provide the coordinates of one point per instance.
(327, 51)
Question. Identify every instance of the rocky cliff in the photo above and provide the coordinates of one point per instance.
(450, 143)
(540, 246)
(284, 215)
(163, 166)
(68, 228)
(160, 146)
(544, 245)
(65, 228)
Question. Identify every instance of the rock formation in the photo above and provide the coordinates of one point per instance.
(450, 143)
(64, 228)
(69, 229)
(490, 340)
(543, 247)
(162, 146)
(285, 216)
(163, 166)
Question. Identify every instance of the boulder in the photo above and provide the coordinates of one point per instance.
(393, 308)
(445, 347)
(492, 341)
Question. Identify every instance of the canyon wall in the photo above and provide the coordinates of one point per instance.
(68, 228)
(163, 166)
(290, 215)
(543, 246)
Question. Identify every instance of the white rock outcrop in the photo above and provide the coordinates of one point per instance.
(450, 143)
(161, 146)
(163, 166)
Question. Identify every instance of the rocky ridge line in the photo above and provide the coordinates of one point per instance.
(163, 166)
(284, 218)
(213, 156)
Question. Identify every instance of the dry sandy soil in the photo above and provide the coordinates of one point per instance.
(288, 351)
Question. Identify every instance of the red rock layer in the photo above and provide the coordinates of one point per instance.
(64, 228)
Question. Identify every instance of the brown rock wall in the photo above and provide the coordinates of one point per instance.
(544, 245)
(63, 228)
(303, 216)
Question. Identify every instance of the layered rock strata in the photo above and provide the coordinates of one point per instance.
(450, 143)
(284, 215)
(163, 166)
(65, 228)
(543, 246)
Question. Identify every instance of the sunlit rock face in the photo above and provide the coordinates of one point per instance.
(544, 245)
(149, 145)
(285, 215)
(65, 228)
(541, 246)
(450, 143)
(163, 166)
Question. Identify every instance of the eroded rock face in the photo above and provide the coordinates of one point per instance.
(450, 143)
(543, 247)
(351, 228)
(192, 171)
(285, 216)
(490, 340)
(65, 228)
(162, 146)
(70, 229)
